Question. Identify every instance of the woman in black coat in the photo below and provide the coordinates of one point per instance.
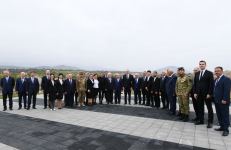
(90, 94)
(60, 90)
(52, 88)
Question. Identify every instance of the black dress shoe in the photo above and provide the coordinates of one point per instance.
(186, 118)
(11, 108)
(28, 108)
(34, 108)
(45, 108)
(225, 133)
(4, 109)
(219, 129)
(19, 108)
(199, 122)
(179, 114)
(210, 125)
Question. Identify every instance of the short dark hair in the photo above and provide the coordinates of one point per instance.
(149, 71)
(60, 74)
(219, 67)
(181, 69)
(202, 61)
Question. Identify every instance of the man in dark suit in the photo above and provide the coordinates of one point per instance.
(32, 90)
(171, 91)
(102, 82)
(44, 86)
(7, 84)
(156, 89)
(143, 85)
(109, 88)
(163, 94)
(137, 87)
(21, 89)
(194, 101)
(127, 85)
(118, 85)
(69, 91)
(203, 91)
(221, 96)
(149, 89)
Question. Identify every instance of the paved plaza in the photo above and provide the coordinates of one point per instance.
(104, 127)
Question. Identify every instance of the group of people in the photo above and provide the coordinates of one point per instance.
(149, 89)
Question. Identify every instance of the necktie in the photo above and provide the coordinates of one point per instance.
(217, 80)
(201, 74)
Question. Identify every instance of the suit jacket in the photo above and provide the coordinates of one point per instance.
(163, 82)
(117, 85)
(52, 88)
(156, 85)
(222, 90)
(102, 82)
(127, 82)
(149, 84)
(32, 86)
(204, 85)
(143, 83)
(109, 85)
(21, 87)
(69, 88)
(44, 84)
(7, 87)
(171, 85)
(90, 85)
(60, 87)
(137, 84)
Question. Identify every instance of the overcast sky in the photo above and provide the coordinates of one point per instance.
(115, 34)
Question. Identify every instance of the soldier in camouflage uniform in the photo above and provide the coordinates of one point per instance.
(81, 86)
(183, 88)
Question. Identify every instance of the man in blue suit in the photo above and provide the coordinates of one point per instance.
(7, 84)
(221, 96)
(70, 89)
(32, 89)
(171, 92)
(117, 88)
(21, 87)
(137, 88)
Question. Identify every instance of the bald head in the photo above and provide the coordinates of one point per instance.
(22, 74)
(109, 75)
(6, 73)
(48, 72)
